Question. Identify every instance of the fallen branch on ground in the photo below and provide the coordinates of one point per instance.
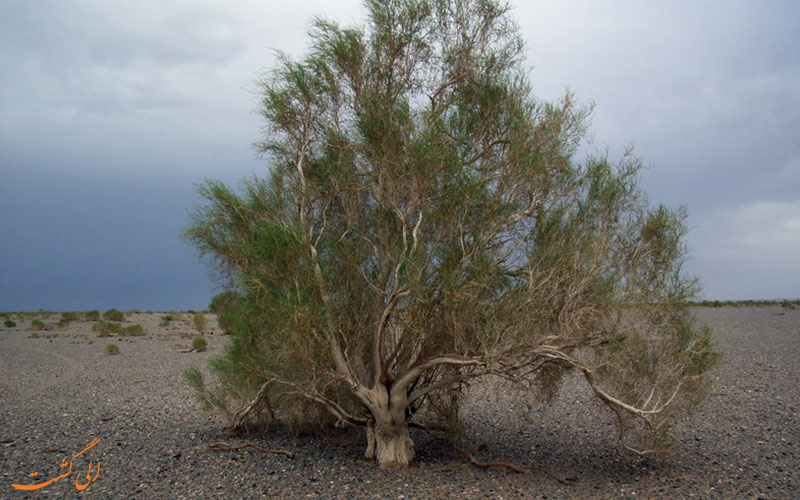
(485, 465)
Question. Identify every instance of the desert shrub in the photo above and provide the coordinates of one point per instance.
(226, 306)
(133, 331)
(200, 322)
(166, 319)
(199, 344)
(37, 325)
(114, 315)
(9, 323)
(107, 328)
(112, 349)
(91, 315)
(69, 316)
(427, 222)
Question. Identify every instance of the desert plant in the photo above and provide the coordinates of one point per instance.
(112, 349)
(107, 328)
(132, 331)
(37, 325)
(91, 316)
(426, 223)
(226, 306)
(68, 316)
(199, 322)
(199, 344)
(166, 319)
(9, 323)
(114, 315)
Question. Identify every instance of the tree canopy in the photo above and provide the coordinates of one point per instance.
(426, 222)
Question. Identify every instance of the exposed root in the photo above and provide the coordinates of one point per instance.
(485, 465)
(220, 446)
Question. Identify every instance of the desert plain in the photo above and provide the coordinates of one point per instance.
(129, 421)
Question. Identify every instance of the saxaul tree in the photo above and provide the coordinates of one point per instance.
(426, 222)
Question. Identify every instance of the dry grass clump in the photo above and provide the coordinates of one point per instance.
(114, 315)
(199, 344)
(112, 349)
(109, 328)
(199, 322)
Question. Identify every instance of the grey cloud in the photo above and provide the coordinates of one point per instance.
(137, 101)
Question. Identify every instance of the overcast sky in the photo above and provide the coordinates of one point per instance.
(110, 112)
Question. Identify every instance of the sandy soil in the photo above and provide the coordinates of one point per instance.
(59, 391)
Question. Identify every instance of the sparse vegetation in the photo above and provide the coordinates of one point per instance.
(199, 322)
(133, 331)
(112, 349)
(37, 325)
(9, 323)
(166, 319)
(226, 306)
(91, 315)
(199, 344)
(789, 304)
(114, 315)
(67, 317)
(108, 328)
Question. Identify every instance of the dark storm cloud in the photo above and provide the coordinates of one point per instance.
(110, 111)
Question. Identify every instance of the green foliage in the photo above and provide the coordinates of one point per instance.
(788, 304)
(226, 306)
(9, 323)
(37, 325)
(166, 319)
(112, 349)
(91, 315)
(67, 317)
(109, 328)
(426, 222)
(114, 315)
(199, 320)
(132, 331)
(199, 344)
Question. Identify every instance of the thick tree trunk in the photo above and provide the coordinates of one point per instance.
(395, 449)
(388, 440)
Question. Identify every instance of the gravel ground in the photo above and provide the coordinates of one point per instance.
(60, 391)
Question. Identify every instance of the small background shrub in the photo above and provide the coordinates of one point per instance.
(199, 344)
(37, 325)
(133, 331)
(67, 317)
(200, 322)
(165, 320)
(114, 315)
(112, 349)
(108, 328)
(226, 306)
(91, 316)
(9, 323)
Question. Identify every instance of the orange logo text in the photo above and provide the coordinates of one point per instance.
(64, 463)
